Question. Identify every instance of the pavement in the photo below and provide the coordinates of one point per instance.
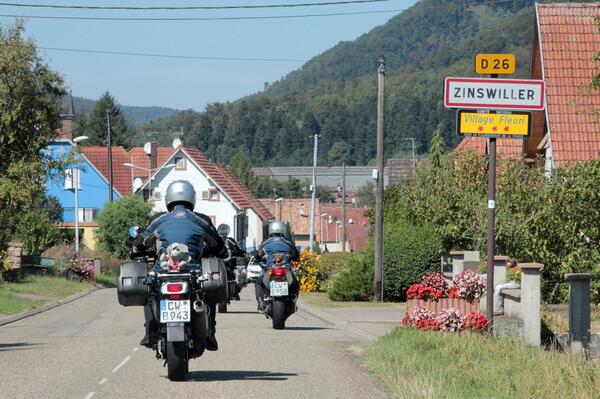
(88, 348)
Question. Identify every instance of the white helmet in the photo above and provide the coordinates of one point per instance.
(180, 192)
(277, 228)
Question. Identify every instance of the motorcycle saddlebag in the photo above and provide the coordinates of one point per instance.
(131, 289)
(215, 289)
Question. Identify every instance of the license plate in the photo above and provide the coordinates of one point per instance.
(174, 311)
(278, 288)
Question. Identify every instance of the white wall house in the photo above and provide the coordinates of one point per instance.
(218, 194)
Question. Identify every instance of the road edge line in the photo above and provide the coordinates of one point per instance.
(45, 308)
(337, 322)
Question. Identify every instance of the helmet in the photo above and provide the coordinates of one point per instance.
(180, 192)
(276, 229)
(223, 230)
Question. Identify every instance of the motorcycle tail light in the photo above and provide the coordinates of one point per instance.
(175, 287)
(278, 272)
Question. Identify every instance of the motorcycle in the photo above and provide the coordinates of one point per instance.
(177, 298)
(277, 293)
(236, 275)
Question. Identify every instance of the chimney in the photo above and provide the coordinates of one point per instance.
(67, 118)
(153, 156)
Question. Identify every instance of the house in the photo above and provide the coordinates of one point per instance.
(564, 54)
(92, 190)
(296, 212)
(219, 194)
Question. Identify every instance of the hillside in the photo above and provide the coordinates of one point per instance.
(334, 94)
(137, 115)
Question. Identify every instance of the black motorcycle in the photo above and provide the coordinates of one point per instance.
(178, 300)
(277, 294)
(235, 273)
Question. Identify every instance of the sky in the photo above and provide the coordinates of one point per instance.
(188, 83)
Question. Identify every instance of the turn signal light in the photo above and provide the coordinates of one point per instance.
(176, 287)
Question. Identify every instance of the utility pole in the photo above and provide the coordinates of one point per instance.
(314, 195)
(491, 230)
(344, 207)
(414, 161)
(379, 184)
(110, 168)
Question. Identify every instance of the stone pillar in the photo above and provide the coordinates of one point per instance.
(500, 269)
(530, 302)
(579, 313)
(14, 253)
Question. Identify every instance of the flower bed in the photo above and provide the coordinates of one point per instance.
(436, 306)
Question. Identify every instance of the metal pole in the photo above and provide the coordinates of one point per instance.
(109, 145)
(379, 187)
(414, 163)
(149, 184)
(344, 207)
(491, 214)
(76, 185)
(314, 195)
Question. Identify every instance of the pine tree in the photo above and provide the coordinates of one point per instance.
(95, 124)
(436, 150)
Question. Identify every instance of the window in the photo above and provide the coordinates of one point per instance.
(213, 194)
(205, 195)
(156, 195)
(179, 163)
(88, 214)
(69, 179)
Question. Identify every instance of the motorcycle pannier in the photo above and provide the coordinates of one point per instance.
(215, 288)
(131, 289)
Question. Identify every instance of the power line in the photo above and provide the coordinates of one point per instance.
(153, 8)
(156, 55)
(333, 14)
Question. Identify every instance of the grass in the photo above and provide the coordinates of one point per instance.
(106, 280)
(320, 299)
(52, 287)
(556, 318)
(415, 364)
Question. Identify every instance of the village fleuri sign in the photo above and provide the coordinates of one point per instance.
(503, 124)
(490, 94)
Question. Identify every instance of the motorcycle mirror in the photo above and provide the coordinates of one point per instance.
(223, 230)
(134, 232)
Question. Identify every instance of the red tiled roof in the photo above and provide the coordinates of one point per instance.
(139, 158)
(357, 232)
(239, 194)
(506, 148)
(98, 156)
(569, 41)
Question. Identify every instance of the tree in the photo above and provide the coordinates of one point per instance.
(95, 124)
(365, 195)
(324, 195)
(37, 232)
(30, 103)
(240, 167)
(436, 150)
(115, 220)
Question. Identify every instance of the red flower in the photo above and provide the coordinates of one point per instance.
(406, 321)
(453, 292)
(476, 321)
(413, 291)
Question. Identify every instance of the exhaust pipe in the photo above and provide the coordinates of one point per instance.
(200, 320)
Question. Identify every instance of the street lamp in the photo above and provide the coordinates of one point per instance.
(130, 165)
(75, 181)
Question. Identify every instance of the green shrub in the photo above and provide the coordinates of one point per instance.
(409, 252)
(353, 282)
(332, 262)
(115, 220)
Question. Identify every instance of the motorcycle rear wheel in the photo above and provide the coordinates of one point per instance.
(177, 360)
(278, 314)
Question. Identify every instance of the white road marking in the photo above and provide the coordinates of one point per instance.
(102, 381)
(89, 395)
(136, 349)
(121, 364)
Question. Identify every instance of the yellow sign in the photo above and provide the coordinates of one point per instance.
(504, 125)
(501, 64)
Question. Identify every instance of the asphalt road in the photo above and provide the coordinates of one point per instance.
(89, 349)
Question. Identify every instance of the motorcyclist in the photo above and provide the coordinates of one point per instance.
(181, 225)
(277, 244)
(233, 249)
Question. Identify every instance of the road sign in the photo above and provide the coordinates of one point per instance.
(500, 125)
(499, 64)
(483, 93)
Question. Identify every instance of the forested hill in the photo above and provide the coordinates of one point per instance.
(334, 94)
(135, 114)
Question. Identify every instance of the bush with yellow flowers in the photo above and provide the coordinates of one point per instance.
(307, 271)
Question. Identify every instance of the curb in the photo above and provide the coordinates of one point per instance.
(33, 312)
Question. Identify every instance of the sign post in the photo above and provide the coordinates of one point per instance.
(492, 102)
